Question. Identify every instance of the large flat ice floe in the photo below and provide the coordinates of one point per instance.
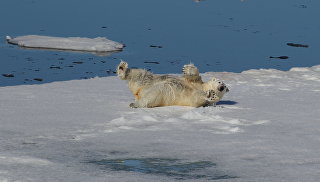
(99, 44)
(266, 128)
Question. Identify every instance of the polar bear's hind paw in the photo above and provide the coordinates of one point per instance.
(133, 105)
(123, 66)
(121, 69)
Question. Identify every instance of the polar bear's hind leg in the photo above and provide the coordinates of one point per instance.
(122, 69)
(150, 98)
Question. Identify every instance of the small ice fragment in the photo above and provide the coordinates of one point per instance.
(8, 38)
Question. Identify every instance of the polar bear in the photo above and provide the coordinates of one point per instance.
(152, 90)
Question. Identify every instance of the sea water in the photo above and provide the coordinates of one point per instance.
(160, 36)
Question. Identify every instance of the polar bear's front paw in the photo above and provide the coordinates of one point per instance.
(190, 70)
(210, 93)
(212, 96)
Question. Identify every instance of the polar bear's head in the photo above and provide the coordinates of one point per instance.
(218, 86)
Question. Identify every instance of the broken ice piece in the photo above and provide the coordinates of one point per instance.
(99, 44)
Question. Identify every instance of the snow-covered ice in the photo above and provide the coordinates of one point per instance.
(99, 44)
(267, 128)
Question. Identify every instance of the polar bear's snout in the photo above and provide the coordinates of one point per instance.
(221, 88)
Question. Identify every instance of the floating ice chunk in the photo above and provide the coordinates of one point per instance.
(8, 37)
(99, 44)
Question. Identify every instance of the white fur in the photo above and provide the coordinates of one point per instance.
(152, 90)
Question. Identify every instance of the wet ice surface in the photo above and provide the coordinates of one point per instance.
(164, 167)
(265, 129)
(215, 35)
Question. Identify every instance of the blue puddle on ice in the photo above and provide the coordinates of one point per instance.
(175, 168)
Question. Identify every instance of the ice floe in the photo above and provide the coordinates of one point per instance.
(265, 129)
(99, 44)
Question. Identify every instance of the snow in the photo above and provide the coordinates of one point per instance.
(99, 44)
(267, 128)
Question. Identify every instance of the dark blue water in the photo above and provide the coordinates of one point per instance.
(216, 35)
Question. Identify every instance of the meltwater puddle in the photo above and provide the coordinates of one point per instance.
(175, 168)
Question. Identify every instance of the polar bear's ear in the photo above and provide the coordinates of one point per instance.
(213, 79)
